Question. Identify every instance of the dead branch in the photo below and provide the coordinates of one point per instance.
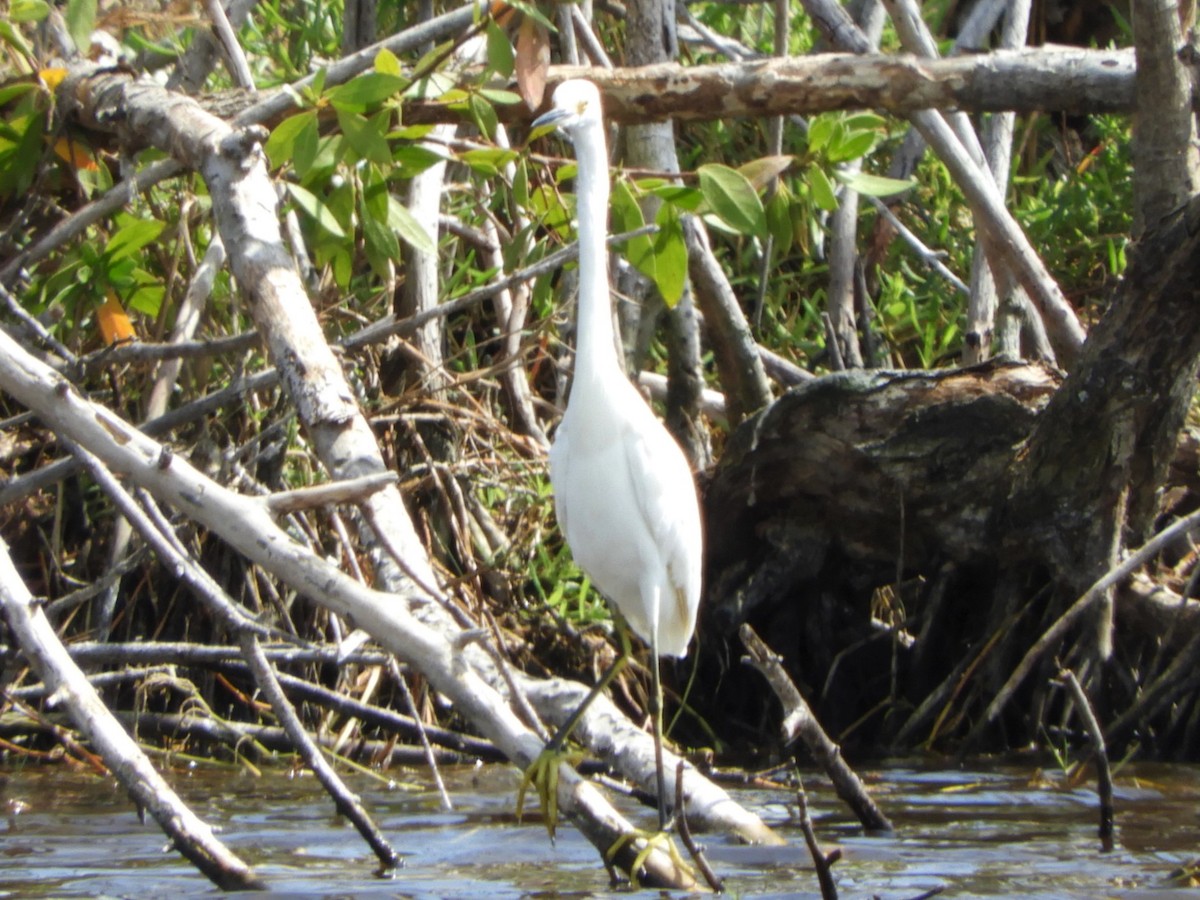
(1104, 783)
(799, 721)
(121, 754)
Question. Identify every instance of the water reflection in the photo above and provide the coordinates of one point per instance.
(1008, 831)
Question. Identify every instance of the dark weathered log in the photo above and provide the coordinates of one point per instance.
(1005, 492)
(886, 470)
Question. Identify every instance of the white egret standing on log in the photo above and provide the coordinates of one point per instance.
(623, 490)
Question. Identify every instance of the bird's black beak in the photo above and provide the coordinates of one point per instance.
(551, 118)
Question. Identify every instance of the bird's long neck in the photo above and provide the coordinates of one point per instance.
(595, 350)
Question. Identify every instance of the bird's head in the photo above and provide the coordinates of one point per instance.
(574, 107)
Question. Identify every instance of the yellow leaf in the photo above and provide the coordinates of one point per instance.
(114, 323)
(77, 155)
(52, 78)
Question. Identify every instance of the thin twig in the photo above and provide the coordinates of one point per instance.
(346, 802)
(1092, 595)
(685, 835)
(822, 863)
(402, 683)
(799, 720)
(1104, 783)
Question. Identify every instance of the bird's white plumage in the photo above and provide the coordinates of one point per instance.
(623, 490)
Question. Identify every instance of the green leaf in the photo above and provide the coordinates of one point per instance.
(873, 185)
(820, 131)
(387, 63)
(626, 215)
(379, 240)
(670, 252)
(413, 159)
(499, 97)
(499, 50)
(131, 238)
(282, 143)
(779, 221)
(21, 148)
(680, 195)
(732, 198)
(365, 137)
(13, 38)
(484, 115)
(405, 224)
(866, 120)
(81, 22)
(306, 147)
(365, 92)
(520, 185)
(316, 210)
(488, 160)
(852, 145)
(823, 192)
(147, 300)
(29, 11)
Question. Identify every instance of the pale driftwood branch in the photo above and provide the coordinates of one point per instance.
(235, 57)
(144, 653)
(243, 735)
(800, 722)
(195, 64)
(1050, 78)
(610, 734)
(245, 524)
(711, 403)
(348, 491)
(191, 836)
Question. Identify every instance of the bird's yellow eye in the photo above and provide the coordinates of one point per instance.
(582, 108)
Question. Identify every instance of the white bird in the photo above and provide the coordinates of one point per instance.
(623, 490)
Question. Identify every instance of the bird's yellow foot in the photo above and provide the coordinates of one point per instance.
(542, 774)
(658, 840)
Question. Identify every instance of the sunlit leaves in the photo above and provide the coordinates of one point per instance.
(500, 54)
(405, 224)
(872, 185)
(732, 199)
(81, 21)
(661, 256)
(315, 209)
(28, 10)
(365, 92)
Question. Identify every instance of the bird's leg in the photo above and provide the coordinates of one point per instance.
(656, 714)
(661, 839)
(564, 733)
(543, 771)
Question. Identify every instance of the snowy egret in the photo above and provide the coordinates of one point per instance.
(623, 490)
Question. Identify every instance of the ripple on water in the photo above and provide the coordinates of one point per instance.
(998, 831)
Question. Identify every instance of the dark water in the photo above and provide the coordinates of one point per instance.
(1008, 831)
